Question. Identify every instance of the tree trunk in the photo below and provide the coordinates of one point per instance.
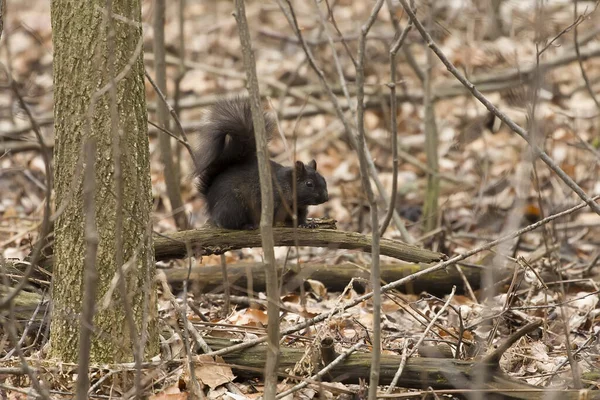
(87, 60)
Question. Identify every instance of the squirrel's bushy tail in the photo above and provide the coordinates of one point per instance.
(226, 139)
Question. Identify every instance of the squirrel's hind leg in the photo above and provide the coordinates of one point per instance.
(229, 212)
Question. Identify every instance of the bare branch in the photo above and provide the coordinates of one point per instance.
(266, 192)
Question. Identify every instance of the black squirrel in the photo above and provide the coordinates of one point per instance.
(228, 177)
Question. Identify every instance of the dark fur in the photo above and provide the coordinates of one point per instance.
(228, 176)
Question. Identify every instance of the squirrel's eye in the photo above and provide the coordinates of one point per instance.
(310, 183)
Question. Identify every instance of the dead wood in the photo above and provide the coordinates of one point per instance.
(418, 373)
(206, 241)
(25, 304)
(209, 278)
(209, 240)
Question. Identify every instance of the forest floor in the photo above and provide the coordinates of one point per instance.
(538, 64)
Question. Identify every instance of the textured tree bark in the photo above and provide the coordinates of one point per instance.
(84, 57)
(418, 373)
(209, 240)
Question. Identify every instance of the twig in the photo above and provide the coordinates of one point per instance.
(410, 58)
(322, 372)
(266, 191)
(432, 192)
(393, 122)
(555, 371)
(170, 173)
(188, 329)
(560, 304)
(468, 287)
(493, 358)
(319, 42)
(575, 370)
(226, 286)
(432, 322)
(578, 20)
(182, 70)
(398, 373)
(588, 85)
(202, 345)
(337, 29)
(336, 59)
(366, 183)
(173, 114)
(168, 132)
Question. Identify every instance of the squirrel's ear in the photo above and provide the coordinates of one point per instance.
(313, 164)
(300, 169)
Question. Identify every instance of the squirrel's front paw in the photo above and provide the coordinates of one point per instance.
(308, 225)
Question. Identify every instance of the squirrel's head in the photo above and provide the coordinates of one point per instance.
(311, 188)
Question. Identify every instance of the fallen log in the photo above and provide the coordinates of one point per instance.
(209, 240)
(209, 278)
(418, 373)
(206, 241)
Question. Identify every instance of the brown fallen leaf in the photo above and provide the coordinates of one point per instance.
(212, 371)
